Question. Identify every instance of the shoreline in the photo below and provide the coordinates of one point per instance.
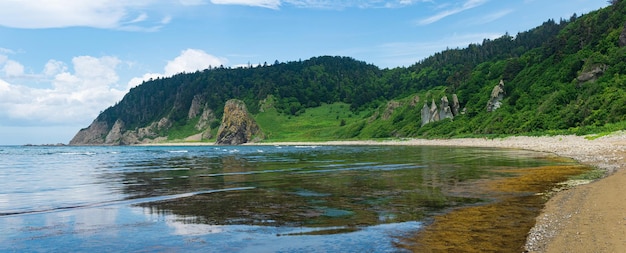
(585, 218)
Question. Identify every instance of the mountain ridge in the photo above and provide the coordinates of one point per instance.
(564, 75)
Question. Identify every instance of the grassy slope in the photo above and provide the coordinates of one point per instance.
(315, 124)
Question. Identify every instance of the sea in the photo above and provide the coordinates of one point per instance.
(269, 198)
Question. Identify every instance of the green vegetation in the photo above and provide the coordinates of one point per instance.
(316, 124)
(566, 77)
(590, 175)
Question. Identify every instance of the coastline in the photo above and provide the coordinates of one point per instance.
(585, 218)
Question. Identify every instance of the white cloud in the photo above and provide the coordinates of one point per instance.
(54, 67)
(80, 90)
(74, 98)
(492, 17)
(469, 4)
(191, 60)
(107, 14)
(13, 69)
(140, 18)
(322, 4)
(60, 13)
(272, 4)
(191, 2)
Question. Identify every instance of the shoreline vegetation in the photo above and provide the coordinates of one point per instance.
(586, 217)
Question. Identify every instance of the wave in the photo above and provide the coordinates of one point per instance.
(381, 167)
(76, 153)
(124, 202)
(247, 172)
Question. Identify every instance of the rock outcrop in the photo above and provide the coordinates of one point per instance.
(434, 113)
(391, 107)
(425, 114)
(238, 126)
(444, 109)
(497, 95)
(455, 105)
(101, 133)
(92, 135)
(591, 74)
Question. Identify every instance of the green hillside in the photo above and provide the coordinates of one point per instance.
(562, 76)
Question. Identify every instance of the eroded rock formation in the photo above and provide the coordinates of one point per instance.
(497, 95)
(425, 114)
(444, 111)
(238, 126)
(455, 105)
(434, 113)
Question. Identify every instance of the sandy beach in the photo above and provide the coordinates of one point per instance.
(585, 218)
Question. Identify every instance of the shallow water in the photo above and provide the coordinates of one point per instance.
(242, 199)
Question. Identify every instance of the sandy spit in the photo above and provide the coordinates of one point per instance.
(586, 218)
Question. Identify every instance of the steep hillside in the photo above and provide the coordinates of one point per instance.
(565, 75)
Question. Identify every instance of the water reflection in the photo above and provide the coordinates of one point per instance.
(249, 199)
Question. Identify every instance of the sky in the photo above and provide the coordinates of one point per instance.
(62, 62)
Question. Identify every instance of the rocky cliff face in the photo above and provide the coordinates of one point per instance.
(238, 126)
(101, 133)
(497, 95)
(92, 135)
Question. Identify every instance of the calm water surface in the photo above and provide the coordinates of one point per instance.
(235, 199)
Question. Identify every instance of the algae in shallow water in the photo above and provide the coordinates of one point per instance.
(500, 226)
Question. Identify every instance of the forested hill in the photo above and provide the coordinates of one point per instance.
(566, 74)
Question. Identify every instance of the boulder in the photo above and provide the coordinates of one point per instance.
(238, 126)
(497, 95)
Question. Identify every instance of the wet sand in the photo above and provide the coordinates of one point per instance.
(586, 218)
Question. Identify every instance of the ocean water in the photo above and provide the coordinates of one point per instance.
(235, 198)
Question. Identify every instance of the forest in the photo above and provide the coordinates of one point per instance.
(565, 75)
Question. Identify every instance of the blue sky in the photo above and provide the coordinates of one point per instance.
(64, 61)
